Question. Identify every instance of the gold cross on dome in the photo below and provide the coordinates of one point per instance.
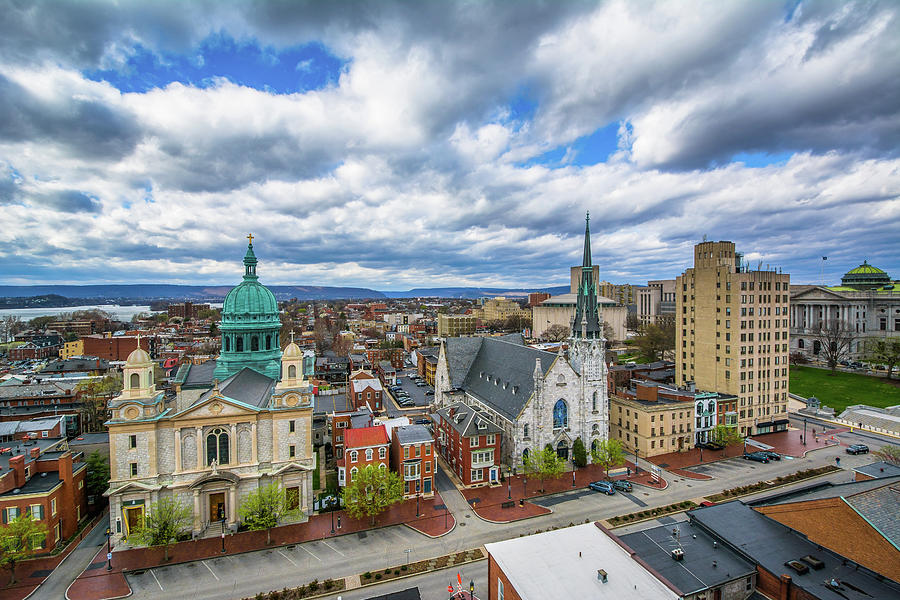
(250, 237)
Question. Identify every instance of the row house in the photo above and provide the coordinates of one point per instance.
(36, 349)
(469, 443)
(365, 390)
(393, 355)
(332, 369)
(412, 456)
(340, 422)
(363, 446)
(47, 484)
(386, 372)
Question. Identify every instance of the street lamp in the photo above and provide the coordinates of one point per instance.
(804, 431)
(417, 499)
(108, 550)
(471, 589)
(331, 510)
(508, 483)
(637, 469)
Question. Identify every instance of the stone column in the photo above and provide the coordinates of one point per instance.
(197, 522)
(254, 457)
(177, 450)
(199, 448)
(234, 445)
(232, 504)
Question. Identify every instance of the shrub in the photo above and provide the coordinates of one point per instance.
(313, 585)
(377, 576)
(387, 571)
(367, 575)
(403, 567)
(328, 583)
(396, 571)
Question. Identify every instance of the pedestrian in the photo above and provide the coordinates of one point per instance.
(837, 460)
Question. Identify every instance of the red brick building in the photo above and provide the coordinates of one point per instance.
(469, 443)
(363, 446)
(536, 298)
(114, 347)
(43, 347)
(339, 422)
(186, 310)
(392, 355)
(412, 456)
(365, 390)
(47, 484)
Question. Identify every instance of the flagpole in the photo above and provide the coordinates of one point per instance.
(824, 258)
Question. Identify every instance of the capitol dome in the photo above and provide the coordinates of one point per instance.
(865, 276)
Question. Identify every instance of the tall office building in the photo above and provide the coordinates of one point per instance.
(731, 335)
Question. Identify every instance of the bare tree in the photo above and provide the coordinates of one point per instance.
(9, 327)
(556, 333)
(885, 351)
(836, 340)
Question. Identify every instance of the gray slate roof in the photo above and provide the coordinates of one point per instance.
(881, 508)
(38, 390)
(413, 434)
(200, 375)
(822, 490)
(694, 572)
(468, 421)
(502, 374)
(770, 544)
(247, 386)
(879, 469)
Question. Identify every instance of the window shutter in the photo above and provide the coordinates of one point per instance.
(4, 511)
(40, 512)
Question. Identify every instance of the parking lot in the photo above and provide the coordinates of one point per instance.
(416, 394)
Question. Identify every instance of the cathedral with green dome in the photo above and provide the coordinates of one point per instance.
(250, 327)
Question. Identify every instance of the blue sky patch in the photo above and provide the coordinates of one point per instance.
(585, 151)
(281, 71)
(761, 159)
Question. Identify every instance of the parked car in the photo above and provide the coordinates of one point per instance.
(429, 392)
(707, 503)
(757, 456)
(603, 486)
(771, 455)
(858, 449)
(622, 486)
(710, 445)
(423, 421)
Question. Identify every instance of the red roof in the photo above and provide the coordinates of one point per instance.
(364, 437)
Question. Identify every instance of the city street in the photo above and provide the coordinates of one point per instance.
(246, 574)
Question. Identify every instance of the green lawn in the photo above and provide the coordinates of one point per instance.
(315, 481)
(842, 389)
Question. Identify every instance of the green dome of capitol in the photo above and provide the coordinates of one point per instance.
(250, 326)
(865, 276)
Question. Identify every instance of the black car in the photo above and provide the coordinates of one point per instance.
(858, 449)
(771, 455)
(757, 456)
(710, 445)
(622, 486)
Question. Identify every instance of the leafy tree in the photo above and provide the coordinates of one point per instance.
(889, 454)
(265, 507)
(40, 323)
(835, 339)
(579, 454)
(885, 351)
(17, 540)
(655, 341)
(608, 453)
(163, 523)
(371, 491)
(555, 333)
(95, 395)
(544, 464)
(725, 435)
(97, 478)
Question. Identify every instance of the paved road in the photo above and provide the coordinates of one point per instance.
(57, 583)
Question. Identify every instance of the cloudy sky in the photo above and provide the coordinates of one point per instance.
(399, 144)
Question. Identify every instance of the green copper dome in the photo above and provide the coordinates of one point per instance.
(250, 327)
(865, 276)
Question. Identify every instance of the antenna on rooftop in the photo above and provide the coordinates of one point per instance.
(704, 237)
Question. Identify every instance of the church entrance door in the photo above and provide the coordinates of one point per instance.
(562, 450)
(217, 506)
(134, 519)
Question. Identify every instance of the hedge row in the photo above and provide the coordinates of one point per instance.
(760, 486)
(652, 513)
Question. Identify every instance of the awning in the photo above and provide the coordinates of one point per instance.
(766, 424)
(782, 421)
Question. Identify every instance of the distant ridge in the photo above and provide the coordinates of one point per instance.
(213, 293)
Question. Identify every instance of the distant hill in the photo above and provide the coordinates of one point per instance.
(132, 293)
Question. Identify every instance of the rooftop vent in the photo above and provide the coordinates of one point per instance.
(601, 575)
(797, 566)
(677, 554)
(814, 562)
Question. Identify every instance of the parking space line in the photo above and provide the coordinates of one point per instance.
(210, 570)
(157, 581)
(310, 553)
(333, 548)
(287, 557)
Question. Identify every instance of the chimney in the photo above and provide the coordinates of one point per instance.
(601, 575)
(784, 590)
(35, 452)
(452, 411)
(17, 465)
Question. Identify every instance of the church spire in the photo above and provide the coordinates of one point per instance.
(587, 320)
(250, 261)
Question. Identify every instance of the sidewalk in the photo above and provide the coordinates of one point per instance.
(96, 583)
(487, 502)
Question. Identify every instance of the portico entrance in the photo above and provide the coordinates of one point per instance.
(562, 450)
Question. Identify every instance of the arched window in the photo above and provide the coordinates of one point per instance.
(368, 454)
(594, 445)
(561, 379)
(801, 343)
(353, 472)
(292, 372)
(699, 407)
(135, 380)
(712, 406)
(595, 430)
(525, 431)
(254, 343)
(560, 415)
(150, 375)
(817, 346)
(239, 344)
(227, 343)
(383, 467)
(268, 342)
(354, 455)
(524, 455)
(594, 402)
(217, 446)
